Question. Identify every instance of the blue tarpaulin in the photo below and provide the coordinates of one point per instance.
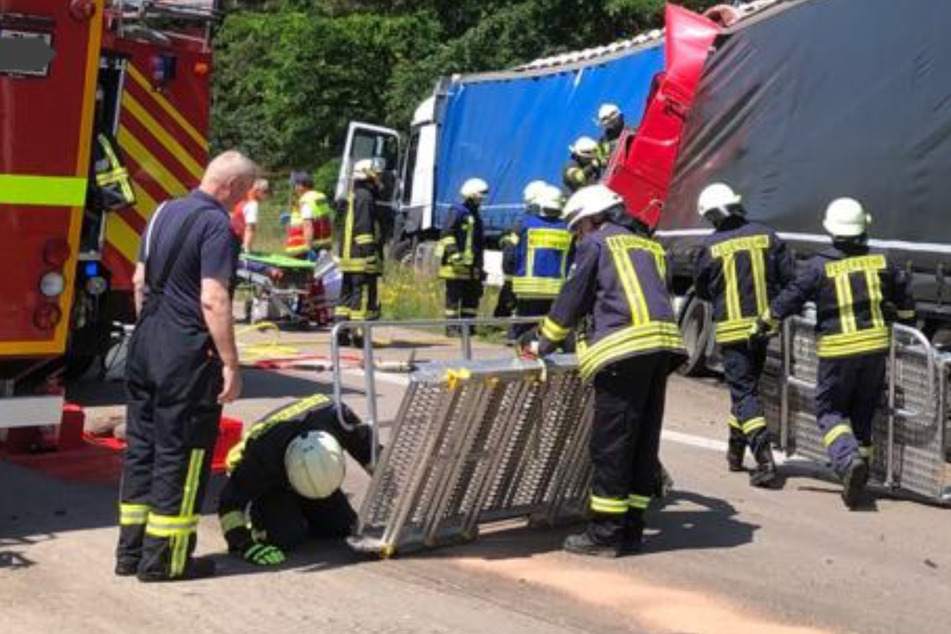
(512, 131)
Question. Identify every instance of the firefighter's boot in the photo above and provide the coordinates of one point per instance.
(764, 475)
(585, 544)
(196, 568)
(633, 532)
(735, 450)
(853, 482)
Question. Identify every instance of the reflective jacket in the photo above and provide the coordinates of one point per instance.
(618, 287)
(256, 464)
(576, 174)
(112, 178)
(461, 244)
(542, 257)
(857, 294)
(361, 246)
(740, 268)
(322, 225)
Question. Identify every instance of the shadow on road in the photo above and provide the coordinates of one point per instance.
(691, 521)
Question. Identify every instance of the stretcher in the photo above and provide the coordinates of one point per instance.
(280, 288)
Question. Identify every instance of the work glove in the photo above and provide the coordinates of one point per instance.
(761, 331)
(261, 554)
(527, 345)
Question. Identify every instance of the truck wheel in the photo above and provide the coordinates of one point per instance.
(695, 326)
(402, 252)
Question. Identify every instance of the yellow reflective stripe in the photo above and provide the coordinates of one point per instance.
(733, 308)
(576, 174)
(174, 148)
(180, 541)
(52, 191)
(163, 103)
(122, 236)
(609, 505)
(363, 238)
(843, 294)
(867, 451)
(638, 501)
(736, 330)
(552, 331)
(759, 281)
(133, 514)
(654, 336)
(151, 165)
(632, 287)
(556, 239)
(546, 286)
(866, 340)
(232, 520)
(835, 433)
(293, 410)
(735, 424)
(754, 424)
(906, 314)
(347, 228)
(874, 284)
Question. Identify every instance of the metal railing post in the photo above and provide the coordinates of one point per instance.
(369, 369)
(890, 450)
(786, 345)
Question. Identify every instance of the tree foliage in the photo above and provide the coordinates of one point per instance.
(290, 74)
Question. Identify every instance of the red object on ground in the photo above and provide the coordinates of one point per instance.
(229, 435)
(642, 169)
(71, 427)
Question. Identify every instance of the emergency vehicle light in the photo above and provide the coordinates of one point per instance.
(52, 284)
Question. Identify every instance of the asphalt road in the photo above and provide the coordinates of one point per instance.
(721, 558)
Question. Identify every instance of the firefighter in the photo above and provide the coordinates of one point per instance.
(509, 243)
(182, 366)
(857, 294)
(310, 229)
(584, 167)
(628, 344)
(460, 251)
(542, 257)
(611, 121)
(244, 217)
(740, 267)
(361, 251)
(284, 480)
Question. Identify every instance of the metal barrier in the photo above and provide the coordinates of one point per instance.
(369, 359)
(477, 442)
(909, 433)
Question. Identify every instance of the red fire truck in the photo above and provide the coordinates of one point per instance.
(95, 96)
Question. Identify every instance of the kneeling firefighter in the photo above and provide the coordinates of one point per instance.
(288, 470)
(858, 293)
(629, 344)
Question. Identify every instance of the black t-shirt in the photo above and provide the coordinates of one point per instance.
(207, 252)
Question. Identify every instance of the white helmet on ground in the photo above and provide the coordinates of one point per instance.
(532, 190)
(365, 169)
(474, 188)
(846, 218)
(717, 198)
(607, 114)
(584, 146)
(315, 464)
(590, 201)
(550, 200)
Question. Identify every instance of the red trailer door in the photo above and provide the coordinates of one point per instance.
(49, 58)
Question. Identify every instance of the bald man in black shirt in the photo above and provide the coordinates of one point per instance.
(182, 366)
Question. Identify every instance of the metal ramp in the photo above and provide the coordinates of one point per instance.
(910, 432)
(475, 443)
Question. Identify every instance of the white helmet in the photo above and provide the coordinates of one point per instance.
(846, 218)
(474, 188)
(315, 464)
(590, 201)
(365, 169)
(584, 146)
(550, 200)
(532, 190)
(717, 198)
(607, 113)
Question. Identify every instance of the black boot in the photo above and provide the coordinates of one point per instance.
(853, 482)
(196, 568)
(343, 338)
(585, 544)
(633, 533)
(764, 475)
(127, 567)
(735, 450)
